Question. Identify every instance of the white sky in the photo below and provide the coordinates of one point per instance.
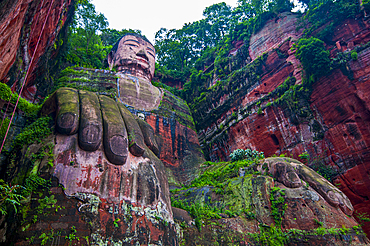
(150, 15)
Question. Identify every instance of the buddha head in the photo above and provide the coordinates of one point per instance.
(133, 54)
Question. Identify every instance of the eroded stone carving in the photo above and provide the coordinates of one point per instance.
(104, 150)
(134, 58)
(293, 174)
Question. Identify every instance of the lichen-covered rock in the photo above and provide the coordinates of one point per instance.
(91, 200)
(328, 121)
(178, 142)
(273, 34)
(253, 207)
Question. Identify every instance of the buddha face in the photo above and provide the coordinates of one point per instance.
(133, 56)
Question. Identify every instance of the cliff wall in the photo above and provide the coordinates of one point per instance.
(329, 121)
(25, 25)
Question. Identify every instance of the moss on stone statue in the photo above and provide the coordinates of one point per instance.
(235, 193)
(95, 80)
(173, 107)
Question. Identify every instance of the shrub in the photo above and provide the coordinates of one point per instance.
(248, 154)
(259, 111)
(34, 132)
(313, 56)
(366, 4)
(354, 55)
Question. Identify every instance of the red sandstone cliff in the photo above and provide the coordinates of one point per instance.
(336, 131)
(22, 23)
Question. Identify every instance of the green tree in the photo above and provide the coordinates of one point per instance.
(217, 17)
(366, 4)
(89, 22)
(110, 36)
(81, 54)
(313, 56)
(84, 46)
(279, 6)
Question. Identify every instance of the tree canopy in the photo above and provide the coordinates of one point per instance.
(90, 40)
(202, 49)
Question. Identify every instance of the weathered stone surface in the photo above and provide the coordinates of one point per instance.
(135, 134)
(334, 132)
(90, 128)
(179, 147)
(136, 192)
(273, 34)
(289, 172)
(102, 81)
(138, 93)
(133, 55)
(250, 197)
(115, 133)
(68, 111)
(149, 138)
(21, 23)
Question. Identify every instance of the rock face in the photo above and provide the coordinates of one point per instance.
(25, 25)
(138, 93)
(168, 115)
(134, 193)
(330, 124)
(111, 171)
(273, 34)
(179, 146)
(254, 198)
(90, 200)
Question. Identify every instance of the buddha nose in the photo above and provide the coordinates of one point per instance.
(142, 53)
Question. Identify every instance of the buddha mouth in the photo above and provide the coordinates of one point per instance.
(142, 58)
(139, 61)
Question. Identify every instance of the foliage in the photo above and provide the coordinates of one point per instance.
(89, 39)
(89, 22)
(34, 132)
(85, 54)
(30, 109)
(366, 5)
(198, 211)
(313, 56)
(173, 90)
(197, 45)
(327, 13)
(4, 127)
(115, 222)
(13, 195)
(259, 111)
(354, 55)
(33, 182)
(9, 196)
(326, 171)
(270, 235)
(49, 236)
(305, 157)
(72, 235)
(362, 217)
(278, 205)
(247, 154)
(110, 36)
(218, 175)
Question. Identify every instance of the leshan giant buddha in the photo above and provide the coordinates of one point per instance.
(134, 58)
(107, 157)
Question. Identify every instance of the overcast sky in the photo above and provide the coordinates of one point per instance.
(150, 15)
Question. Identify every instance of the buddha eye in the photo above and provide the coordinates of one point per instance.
(150, 53)
(133, 45)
